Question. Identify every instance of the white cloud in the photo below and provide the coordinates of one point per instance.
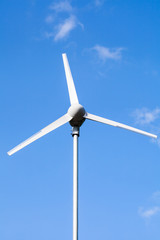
(60, 25)
(63, 6)
(107, 53)
(65, 28)
(149, 212)
(145, 116)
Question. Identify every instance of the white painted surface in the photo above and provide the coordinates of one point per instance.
(71, 87)
(117, 124)
(75, 187)
(59, 122)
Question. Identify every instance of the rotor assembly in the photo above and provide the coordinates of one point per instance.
(77, 112)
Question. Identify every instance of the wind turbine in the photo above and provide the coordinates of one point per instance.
(75, 115)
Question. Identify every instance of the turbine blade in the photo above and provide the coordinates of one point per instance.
(71, 87)
(116, 124)
(59, 122)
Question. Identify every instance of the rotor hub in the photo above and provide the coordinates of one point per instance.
(77, 112)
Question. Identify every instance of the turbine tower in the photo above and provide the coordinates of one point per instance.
(75, 115)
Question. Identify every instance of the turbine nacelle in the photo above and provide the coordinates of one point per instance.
(77, 112)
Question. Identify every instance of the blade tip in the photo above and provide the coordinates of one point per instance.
(9, 153)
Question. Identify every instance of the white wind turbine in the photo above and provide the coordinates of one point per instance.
(76, 115)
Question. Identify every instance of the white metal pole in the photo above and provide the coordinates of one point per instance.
(75, 134)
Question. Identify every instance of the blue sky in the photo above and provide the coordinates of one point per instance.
(113, 51)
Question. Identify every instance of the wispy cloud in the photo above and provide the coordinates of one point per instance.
(61, 20)
(145, 116)
(63, 6)
(65, 28)
(105, 53)
(149, 212)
